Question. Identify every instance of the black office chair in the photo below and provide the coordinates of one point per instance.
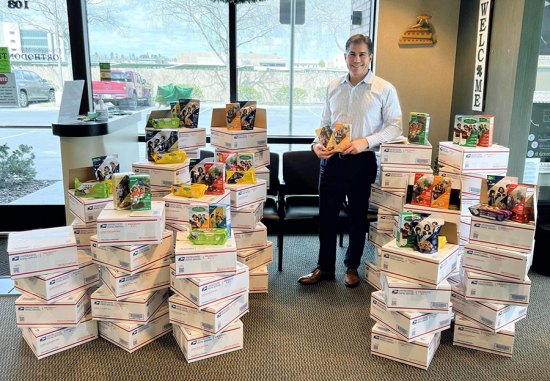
(271, 217)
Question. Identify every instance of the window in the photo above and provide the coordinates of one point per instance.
(267, 70)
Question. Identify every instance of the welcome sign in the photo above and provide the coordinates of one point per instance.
(482, 49)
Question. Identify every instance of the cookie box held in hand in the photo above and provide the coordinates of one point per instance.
(408, 326)
(126, 227)
(203, 292)
(52, 287)
(195, 345)
(471, 335)
(418, 353)
(211, 320)
(65, 312)
(132, 336)
(43, 251)
(45, 342)
(131, 259)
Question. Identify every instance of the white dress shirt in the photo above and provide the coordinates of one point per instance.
(372, 107)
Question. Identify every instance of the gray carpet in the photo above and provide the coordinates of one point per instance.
(293, 333)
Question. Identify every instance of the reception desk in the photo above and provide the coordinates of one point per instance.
(81, 141)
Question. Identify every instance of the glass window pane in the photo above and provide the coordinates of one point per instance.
(185, 46)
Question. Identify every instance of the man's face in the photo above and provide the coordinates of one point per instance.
(358, 59)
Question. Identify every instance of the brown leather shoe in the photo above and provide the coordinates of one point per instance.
(351, 279)
(315, 277)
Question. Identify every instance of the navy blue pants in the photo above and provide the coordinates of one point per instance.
(341, 176)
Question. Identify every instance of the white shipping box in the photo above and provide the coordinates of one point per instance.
(418, 353)
(163, 175)
(45, 342)
(491, 316)
(211, 320)
(52, 287)
(385, 220)
(408, 326)
(43, 251)
(247, 194)
(248, 217)
(86, 209)
(238, 139)
(204, 260)
(377, 237)
(203, 292)
(82, 232)
(493, 261)
(256, 257)
(400, 295)
(195, 345)
(396, 178)
(261, 155)
(124, 286)
(455, 158)
(66, 312)
(262, 173)
(126, 227)
(138, 309)
(158, 193)
(190, 139)
(508, 235)
(132, 336)
(426, 269)
(259, 280)
(469, 334)
(405, 154)
(485, 288)
(465, 225)
(391, 200)
(134, 258)
(373, 276)
(250, 238)
(178, 207)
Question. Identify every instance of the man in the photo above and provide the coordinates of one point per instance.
(372, 107)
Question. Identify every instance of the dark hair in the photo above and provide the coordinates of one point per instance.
(360, 39)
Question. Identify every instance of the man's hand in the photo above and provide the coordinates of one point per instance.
(356, 146)
(321, 151)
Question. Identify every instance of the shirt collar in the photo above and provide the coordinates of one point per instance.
(368, 78)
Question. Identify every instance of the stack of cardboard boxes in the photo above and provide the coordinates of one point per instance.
(54, 277)
(134, 252)
(253, 248)
(491, 291)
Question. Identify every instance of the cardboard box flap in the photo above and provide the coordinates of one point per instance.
(83, 174)
(158, 114)
(218, 118)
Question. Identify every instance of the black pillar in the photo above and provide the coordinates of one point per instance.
(232, 52)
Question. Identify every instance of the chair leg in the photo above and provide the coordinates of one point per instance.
(341, 239)
(280, 243)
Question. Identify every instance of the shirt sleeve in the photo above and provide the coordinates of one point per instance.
(392, 119)
(325, 117)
